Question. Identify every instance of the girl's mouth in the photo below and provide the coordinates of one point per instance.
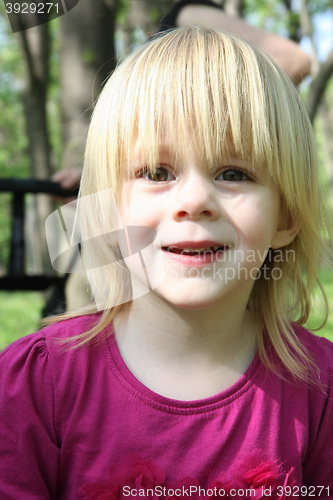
(193, 255)
(195, 251)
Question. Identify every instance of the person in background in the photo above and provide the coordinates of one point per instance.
(284, 52)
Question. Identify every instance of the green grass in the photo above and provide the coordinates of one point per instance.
(20, 312)
(326, 278)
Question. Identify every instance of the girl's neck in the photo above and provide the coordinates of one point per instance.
(185, 354)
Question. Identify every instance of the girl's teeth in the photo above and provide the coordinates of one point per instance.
(194, 250)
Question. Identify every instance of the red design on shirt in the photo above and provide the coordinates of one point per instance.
(137, 477)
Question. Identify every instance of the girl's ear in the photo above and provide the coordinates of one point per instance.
(285, 233)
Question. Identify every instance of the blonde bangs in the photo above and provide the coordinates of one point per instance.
(194, 88)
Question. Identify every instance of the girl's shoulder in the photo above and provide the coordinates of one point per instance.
(41, 371)
(47, 346)
(42, 381)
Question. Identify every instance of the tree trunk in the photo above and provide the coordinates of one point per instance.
(36, 47)
(323, 72)
(318, 86)
(87, 56)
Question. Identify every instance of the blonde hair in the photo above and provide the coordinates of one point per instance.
(233, 100)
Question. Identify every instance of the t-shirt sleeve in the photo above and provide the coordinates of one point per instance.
(29, 451)
(318, 466)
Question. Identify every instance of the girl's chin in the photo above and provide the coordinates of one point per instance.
(191, 296)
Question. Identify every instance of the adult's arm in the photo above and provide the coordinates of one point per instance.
(284, 52)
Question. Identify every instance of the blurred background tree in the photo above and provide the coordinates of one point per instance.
(51, 75)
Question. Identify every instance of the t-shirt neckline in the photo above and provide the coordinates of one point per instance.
(133, 386)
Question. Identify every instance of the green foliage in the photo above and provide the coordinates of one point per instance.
(53, 106)
(122, 9)
(4, 230)
(282, 17)
(155, 16)
(14, 158)
(326, 278)
(88, 55)
(271, 15)
(318, 6)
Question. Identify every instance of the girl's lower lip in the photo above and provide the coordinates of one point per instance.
(198, 260)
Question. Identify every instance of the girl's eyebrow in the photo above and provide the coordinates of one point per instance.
(166, 150)
(162, 149)
(248, 163)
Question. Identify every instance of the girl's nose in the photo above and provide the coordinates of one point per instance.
(195, 199)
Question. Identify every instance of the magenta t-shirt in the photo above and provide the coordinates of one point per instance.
(76, 424)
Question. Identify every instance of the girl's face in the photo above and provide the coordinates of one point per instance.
(214, 228)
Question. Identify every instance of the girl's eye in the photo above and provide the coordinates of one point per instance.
(233, 175)
(160, 174)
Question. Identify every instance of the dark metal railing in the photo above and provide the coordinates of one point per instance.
(16, 279)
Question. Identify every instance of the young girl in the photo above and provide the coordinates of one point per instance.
(197, 379)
